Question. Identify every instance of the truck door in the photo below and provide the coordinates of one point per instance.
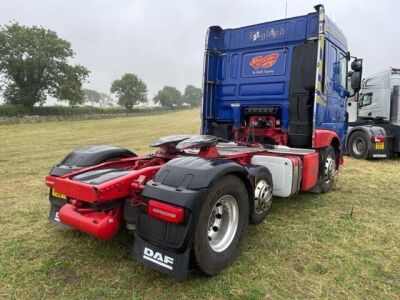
(331, 78)
(375, 98)
(342, 95)
(365, 104)
(335, 89)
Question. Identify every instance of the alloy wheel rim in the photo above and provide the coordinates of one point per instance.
(330, 169)
(223, 223)
(358, 146)
(262, 197)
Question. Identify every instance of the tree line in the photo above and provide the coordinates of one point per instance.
(35, 64)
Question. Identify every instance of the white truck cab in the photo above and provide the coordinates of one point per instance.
(374, 117)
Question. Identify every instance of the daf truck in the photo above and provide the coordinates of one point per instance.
(274, 124)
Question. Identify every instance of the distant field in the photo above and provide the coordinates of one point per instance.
(11, 114)
(309, 247)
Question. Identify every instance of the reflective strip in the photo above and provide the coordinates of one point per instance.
(319, 97)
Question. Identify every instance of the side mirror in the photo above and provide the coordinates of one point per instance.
(357, 65)
(356, 74)
(356, 81)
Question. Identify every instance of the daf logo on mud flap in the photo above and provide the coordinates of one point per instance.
(158, 258)
(57, 217)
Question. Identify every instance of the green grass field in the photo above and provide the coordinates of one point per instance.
(310, 246)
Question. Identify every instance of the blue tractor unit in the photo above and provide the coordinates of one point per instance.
(273, 124)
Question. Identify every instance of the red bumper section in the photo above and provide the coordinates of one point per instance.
(102, 225)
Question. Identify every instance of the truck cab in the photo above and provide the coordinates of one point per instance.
(280, 83)
(374, 117)
(376, 98)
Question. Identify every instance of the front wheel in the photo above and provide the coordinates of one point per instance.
(328, 171)
(222, 223)
(262, 197)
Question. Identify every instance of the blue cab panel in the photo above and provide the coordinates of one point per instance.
(252, 66)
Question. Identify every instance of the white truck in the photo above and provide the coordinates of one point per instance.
(374, 117)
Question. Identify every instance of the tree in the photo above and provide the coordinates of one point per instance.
(34, 65)
(91, 96)
(169, 96)
(94, 97)
(192, 95)
(130, 90)
(106, 100)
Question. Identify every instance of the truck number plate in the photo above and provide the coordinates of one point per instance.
(58, 195)
(379, 146)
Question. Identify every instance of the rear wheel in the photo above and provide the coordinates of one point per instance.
(222, 223)
(358, 145)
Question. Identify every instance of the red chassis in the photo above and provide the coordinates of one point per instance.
(97, 209)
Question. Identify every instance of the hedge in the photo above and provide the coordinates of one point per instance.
(9, 110)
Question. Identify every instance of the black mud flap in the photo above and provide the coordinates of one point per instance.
(175, 264)
(55, 206)
(385, 150)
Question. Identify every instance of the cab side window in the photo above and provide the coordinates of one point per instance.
(366, 99)
(335, 71)
(343, 71)
(331, 70)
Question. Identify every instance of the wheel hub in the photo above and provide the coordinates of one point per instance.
(358, 146)
(330, 169)
(222, 223)
(262, 197)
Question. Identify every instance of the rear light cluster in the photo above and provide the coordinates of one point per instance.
(378, 139)
(49, 181)
(166, 212)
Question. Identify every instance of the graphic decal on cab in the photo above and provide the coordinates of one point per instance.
(264, 62)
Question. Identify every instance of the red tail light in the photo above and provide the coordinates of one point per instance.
(166, 212)
(49, 181)
(378, 139)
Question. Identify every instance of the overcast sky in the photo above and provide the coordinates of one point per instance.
(163, 41)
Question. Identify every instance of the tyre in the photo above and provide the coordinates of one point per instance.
(328, 171)
(358, 145)
(262, 197)
(221, 226)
